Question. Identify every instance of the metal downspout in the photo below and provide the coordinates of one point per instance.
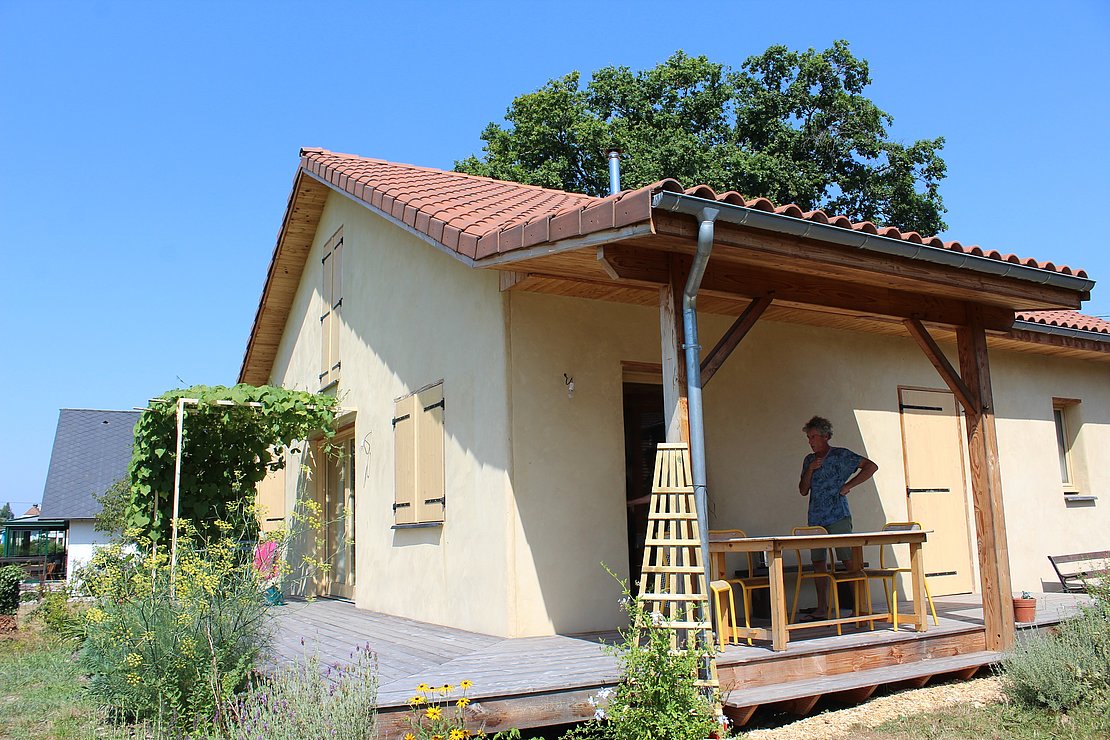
(706, 217)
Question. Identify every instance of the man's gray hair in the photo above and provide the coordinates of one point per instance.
(819, 424)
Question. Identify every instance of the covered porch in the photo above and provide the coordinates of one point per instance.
(542, 681)
(747, 263)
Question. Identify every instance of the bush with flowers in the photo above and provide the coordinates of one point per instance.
(658, 696)
(172, 652)
(439, 713)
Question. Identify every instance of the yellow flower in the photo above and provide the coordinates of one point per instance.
(410, 736)
(416, 700)
(423, 687)
(461, 703)
(447, 688)
(434, 713)
(437, 737)
(466, 684)
(457, 734)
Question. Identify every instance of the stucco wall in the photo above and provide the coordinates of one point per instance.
(412, 316)
(82, 543)
(1040, 521)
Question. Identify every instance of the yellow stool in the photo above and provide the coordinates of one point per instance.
(727, 630)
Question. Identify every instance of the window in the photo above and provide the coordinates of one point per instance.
(332, 290)
(1065, 415)
(419, 495)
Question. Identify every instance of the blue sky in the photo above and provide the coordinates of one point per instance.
(149, 149)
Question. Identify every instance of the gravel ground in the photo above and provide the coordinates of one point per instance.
(845, 723)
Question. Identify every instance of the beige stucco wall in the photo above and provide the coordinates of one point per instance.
(412, 316)
(1039, 520)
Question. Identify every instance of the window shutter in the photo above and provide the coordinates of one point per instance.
(430, 494)
(336, 308)
(326, 321)
(404, 450)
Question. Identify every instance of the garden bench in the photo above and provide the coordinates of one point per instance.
(1076, 571)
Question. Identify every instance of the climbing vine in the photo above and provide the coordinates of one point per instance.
(228, 448)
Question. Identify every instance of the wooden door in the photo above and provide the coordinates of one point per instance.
(339, 520)
(936, 489)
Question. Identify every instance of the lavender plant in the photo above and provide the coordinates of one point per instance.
(309, 699)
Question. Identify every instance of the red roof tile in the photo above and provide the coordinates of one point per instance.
(1066, 320)
(480, 217)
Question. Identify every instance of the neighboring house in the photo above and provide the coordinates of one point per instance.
(510, 355)
(92, 450)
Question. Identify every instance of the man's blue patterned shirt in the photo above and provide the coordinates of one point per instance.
(826, 505)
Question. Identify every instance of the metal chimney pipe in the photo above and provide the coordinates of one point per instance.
(614, 171)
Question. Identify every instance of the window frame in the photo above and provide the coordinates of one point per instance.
(331, 264)
(1066, 432)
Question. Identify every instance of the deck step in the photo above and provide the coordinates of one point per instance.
(822, 685)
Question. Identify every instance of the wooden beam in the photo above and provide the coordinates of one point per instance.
(675, 405)
(510, 280)
(863, 267)
(733, 337)
(951, 378)
(986, 487)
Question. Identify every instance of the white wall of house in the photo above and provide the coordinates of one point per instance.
(411, 316)
(82, 543)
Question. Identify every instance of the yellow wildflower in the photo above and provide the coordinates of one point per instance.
(416, 700)
(466, 683)
(462, 702)
(447, 688)
(423, 688)
(456, 734)
(434, 713)
(410, 736)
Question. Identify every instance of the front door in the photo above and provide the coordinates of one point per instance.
(644, 429)
(936, 488)
(339, 520)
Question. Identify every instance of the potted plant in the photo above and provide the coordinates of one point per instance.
(1025, 607)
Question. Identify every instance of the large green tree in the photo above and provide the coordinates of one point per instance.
(791, 126)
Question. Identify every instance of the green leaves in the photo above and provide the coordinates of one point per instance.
(227, 449)
(791, 126)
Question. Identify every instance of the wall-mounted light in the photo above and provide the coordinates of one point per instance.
(570, 385)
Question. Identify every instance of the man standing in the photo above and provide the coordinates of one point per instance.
(828, 474)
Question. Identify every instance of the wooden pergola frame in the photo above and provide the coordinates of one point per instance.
(753, 274)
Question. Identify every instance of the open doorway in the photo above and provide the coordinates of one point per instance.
(644, 429)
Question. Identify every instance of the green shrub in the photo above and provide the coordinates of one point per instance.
(658, 697)
(60, 616)
(306, 700)
(174, 656)
(10, 578)
(1066, 669)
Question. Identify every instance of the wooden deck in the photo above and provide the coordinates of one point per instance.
(539, 681)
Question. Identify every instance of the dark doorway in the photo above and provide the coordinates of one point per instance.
(644, 428)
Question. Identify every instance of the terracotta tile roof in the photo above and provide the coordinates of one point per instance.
(480, 217)
(1066, 320)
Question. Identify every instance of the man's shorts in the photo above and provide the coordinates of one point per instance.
(843, 554)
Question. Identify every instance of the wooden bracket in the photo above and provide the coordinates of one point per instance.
(948, 373)
(733, 337)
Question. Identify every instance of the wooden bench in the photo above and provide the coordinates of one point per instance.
(1076, 571)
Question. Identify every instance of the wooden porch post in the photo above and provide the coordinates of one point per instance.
(986, 484)
(675, 409)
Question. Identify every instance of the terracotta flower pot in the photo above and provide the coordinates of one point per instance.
(1025, 610)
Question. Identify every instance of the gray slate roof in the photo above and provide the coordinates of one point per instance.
(92, 450)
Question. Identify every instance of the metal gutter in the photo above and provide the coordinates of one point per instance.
(756, 219)
(706, 217)
(1063, 331)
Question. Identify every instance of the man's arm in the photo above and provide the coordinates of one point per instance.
(807, 475)
(866, 470)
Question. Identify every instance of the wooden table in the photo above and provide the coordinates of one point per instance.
(774, 547)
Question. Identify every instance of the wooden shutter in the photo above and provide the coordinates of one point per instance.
(336, 307)
(404, 450)
(430, 495)
(271, 500)
(326, 321)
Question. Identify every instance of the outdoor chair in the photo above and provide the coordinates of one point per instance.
(750, 582)
(889, 575)
(726, 630)
(832, 575)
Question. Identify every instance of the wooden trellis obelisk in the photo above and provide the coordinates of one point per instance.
(673, 574)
